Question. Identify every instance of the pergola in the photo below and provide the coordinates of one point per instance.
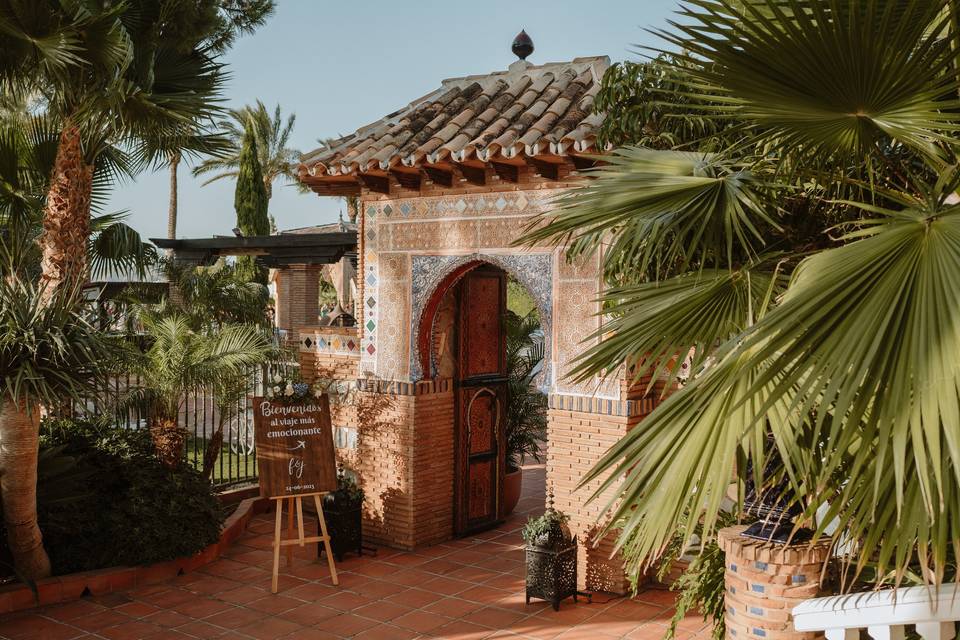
(298, 257)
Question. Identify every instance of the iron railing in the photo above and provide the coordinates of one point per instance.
(237, 462)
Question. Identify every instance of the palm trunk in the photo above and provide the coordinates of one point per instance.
(168, 441)
(66, 221)
(19, 448)
(212, 453)
(172, 211)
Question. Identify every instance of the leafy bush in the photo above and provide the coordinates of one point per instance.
(124, 507)
(547, 530)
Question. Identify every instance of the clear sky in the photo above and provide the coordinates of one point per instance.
(341, 65)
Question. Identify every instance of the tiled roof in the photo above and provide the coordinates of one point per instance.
(527, 110)
(335, 227)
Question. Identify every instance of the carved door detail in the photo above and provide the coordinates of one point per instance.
(481, 400)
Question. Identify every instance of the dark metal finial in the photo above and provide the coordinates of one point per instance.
(522, 45)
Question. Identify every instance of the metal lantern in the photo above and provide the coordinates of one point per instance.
(552, 573)
(773, 508)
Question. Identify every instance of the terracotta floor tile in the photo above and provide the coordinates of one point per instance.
(310, 592)
(270, 628)
(242, 595)
(234, 618)
(494, 618)
(202, 608)
(422, 621)
(387, 632)
(311, 613)
(453, 607)
(382, 611)
(132, 630)
(100, 620)
(414, 598)
(347, 624)
(167, 618)
(273, 604)
(312, 634)
(345, 601)
(379, 589)
(462, 631)
(201, 629)
(458, 590)
(72, 610)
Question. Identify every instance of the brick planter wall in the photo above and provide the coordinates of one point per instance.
(764, 581)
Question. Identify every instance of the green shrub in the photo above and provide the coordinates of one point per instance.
(125, 508)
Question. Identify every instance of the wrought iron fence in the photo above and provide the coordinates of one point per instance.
(237, 462)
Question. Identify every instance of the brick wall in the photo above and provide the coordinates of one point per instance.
(579, 431)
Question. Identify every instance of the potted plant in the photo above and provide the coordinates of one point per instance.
(551, 555)
(343, 512)
(526, 405)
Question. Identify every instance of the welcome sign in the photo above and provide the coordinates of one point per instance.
(294, 447)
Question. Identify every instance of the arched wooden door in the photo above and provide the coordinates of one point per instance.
(481, 395)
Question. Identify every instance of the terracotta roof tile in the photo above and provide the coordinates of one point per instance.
(525, 110)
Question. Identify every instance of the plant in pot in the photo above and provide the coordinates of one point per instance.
(343, 511)
(551, 556)
(526, 405)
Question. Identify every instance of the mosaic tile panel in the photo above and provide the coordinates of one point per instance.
(533, 270)
(329, 343)
(465, 206)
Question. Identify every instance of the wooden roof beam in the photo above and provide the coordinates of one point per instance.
(375, 182)
(407, 179)
(439, 175)
(550, 169)
(478, 175)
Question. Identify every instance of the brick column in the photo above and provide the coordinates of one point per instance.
(764, 581)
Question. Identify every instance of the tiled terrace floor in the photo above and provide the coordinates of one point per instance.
(464, 590)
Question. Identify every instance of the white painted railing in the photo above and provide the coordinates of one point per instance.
(884, 614)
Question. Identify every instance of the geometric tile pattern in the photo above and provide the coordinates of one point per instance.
(330, 341)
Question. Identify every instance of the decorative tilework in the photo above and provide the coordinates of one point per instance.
(533, 270)
(332, 342)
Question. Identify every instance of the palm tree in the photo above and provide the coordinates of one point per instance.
(230, 20)
(526, 405)
(811, 261)
(272, 137)
(49, 355)
(106, 74)
(181, 360)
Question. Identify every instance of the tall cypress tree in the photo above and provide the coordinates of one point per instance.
(251, 202)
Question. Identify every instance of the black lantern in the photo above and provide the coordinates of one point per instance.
(772, 507)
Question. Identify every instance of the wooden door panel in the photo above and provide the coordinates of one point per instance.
(481, 322)
(481, 400)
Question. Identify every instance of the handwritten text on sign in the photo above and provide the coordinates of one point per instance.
(294, 447)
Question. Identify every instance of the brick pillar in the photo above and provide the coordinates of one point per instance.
(580, 430)
(764, 581)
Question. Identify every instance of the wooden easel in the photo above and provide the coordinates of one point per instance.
(297, 502)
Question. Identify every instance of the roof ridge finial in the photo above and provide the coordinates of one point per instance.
(522, 45)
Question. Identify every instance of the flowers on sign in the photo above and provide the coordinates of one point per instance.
(289, 389)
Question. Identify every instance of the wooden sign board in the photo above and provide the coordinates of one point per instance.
(294, 447)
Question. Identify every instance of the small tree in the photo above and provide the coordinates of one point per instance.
(180, 361)
(251, 202)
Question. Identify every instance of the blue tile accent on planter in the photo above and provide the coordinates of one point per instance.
(757, 611)
(762, 566)
(758, 588)
(733, 568)
(798, 579)
(759, 632)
